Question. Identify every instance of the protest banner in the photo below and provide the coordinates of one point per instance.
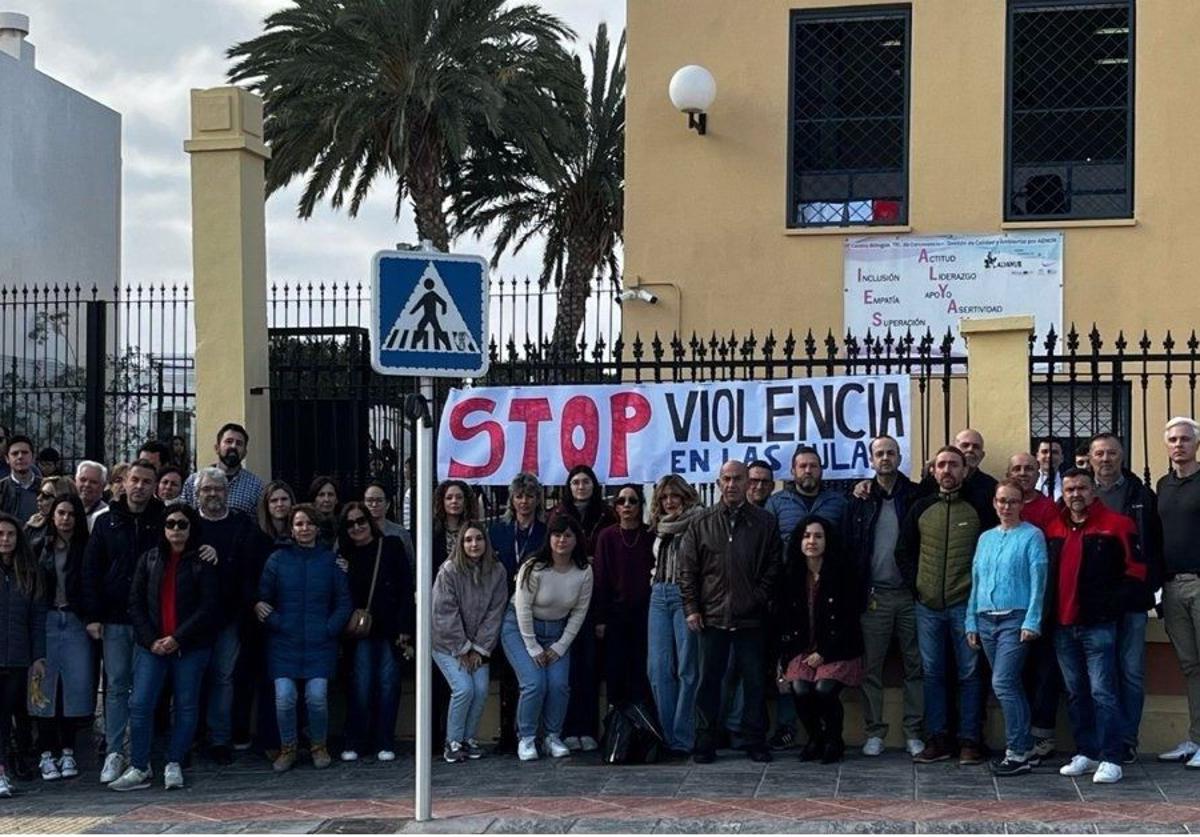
(640, 432)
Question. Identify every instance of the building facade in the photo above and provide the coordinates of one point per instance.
(60, 175)
(932, 117)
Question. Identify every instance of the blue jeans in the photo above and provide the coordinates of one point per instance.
(316, 703)
(1131, 674)
(545, 692)
(468, 696)
(374, 697)
(933, 628)
(118, 683)
(149, 672)
(1087, 655)
(673, 666)
(1000, 637)
(219, 713)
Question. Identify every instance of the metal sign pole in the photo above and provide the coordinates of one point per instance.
(424, 759)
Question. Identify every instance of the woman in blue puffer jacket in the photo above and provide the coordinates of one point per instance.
(304, 600)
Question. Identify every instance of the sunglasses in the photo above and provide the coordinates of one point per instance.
(45, 495)
(182, 525)
(355, 522)
(627, 501)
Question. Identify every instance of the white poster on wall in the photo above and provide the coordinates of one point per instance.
(903, 283)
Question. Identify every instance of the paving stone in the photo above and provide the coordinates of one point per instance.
(696, 826)
(1028, 827)
(1127, 827)
(450, 825)
(192, 827)
(361, 825)
(960, 827)
(130, 827)
(602, 825)
(281, 827)
(542, 825)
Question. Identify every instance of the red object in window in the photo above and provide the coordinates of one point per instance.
(885, 211)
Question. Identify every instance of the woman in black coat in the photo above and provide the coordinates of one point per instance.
(175, 607)
(817, 614)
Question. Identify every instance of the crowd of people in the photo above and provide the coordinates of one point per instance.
(214, 611)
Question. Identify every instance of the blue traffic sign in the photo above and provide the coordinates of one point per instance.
(429, 314)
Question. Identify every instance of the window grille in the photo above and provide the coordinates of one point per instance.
(1069, 120)
(848, 137)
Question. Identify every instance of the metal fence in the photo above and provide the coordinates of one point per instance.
(1083, 384)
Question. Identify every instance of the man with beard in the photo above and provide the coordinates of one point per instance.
(1121, 491)
(244, 487)
(240, 556)
(1098, 576)
(934, 555)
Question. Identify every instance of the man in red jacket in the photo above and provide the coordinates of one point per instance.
(1097, 570)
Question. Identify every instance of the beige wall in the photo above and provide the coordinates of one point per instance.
(707, 214)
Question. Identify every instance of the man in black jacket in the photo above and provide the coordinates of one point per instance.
(871, 530)
(729, 561)
(1121, 491)
(132, 525)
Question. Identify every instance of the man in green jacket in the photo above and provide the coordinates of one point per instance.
(934, 554)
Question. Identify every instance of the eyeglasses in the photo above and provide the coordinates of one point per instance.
(1004, 501)
(355, 522)
(47, 495)
(627, 501)
(176, 523)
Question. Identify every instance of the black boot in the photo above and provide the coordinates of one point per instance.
(814, 748)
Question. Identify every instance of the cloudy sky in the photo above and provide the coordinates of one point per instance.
(141, 57)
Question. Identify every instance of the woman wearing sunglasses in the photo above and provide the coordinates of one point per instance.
(304, 600)
(175, 608)
(40, 526)
(623, 566)
(380, 585)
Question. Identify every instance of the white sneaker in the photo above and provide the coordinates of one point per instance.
(48, 768)
(1194, 762)
(385, 755)
(6, 788)
(1078, 766)
(172, 776)
(1107, 773)
(873, 747)
(914, 746)
(132, 779)
(1183, 750)
(66, 765)
(573, 743)
(588, 744)
(555, 747)
(114, 767)
(527, 750)
(349, 755)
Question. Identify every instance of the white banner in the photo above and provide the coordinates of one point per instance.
(931, 283)
(640, 432)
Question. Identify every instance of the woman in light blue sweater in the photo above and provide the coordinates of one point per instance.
(1004, 614)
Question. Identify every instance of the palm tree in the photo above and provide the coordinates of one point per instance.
(574, 198)
(357, 88)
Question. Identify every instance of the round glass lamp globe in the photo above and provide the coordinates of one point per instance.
(692, 89)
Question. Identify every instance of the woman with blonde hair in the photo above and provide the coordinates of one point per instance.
(469, 598)
(674, 667)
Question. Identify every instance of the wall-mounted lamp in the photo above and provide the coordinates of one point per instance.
(692, 91)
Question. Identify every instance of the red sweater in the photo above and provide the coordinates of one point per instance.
(166, 594)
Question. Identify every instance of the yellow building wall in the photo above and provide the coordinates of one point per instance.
(707, 214)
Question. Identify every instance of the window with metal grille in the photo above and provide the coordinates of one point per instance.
(1069, 125)
(848, 132)
(1077, 412)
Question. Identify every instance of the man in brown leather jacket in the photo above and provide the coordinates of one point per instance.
(729, 561)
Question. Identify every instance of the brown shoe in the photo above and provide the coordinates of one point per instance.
(320, 756)
(969, 753)
(936, 749)
(286, 759)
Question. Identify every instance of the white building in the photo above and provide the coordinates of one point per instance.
(60, 175)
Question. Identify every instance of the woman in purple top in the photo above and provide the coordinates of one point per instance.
(621, 596)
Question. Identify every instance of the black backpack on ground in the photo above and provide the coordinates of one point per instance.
(631, 735)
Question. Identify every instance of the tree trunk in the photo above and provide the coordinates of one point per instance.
(429, 199)
(572, 301)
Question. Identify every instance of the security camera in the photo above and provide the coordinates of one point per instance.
(640, 294)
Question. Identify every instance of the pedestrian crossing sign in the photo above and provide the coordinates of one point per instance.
(429, 314)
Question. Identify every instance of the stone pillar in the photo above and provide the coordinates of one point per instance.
(229, 266)
(998, 385)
